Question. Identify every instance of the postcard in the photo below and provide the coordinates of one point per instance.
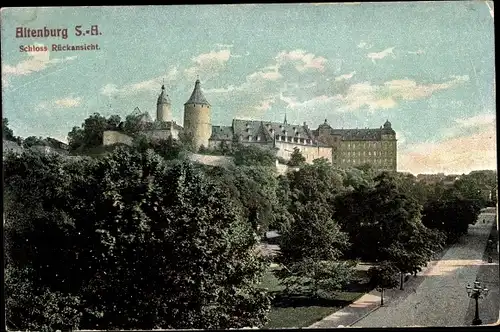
(305, 165)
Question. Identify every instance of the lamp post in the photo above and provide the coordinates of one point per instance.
(476, 292)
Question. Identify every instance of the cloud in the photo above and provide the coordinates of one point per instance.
(68, 102)
(224, 45)
(302, 60)
(478, 120)
(462, 154)
(345, 76)
(467, 125)
(418, 52)
(36, 62)
(112, 90)
(387, 95)
(380, 55)
(364, 45)
(265, 75)
(308, 104)
(208, 64)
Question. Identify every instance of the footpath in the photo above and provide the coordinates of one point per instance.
(426, 299)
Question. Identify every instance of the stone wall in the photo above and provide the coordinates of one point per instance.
(111, 137)
(211, 160)
(162, 134)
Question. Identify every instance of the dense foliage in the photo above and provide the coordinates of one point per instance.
(100, 243)
(90, 133)
(107, 240)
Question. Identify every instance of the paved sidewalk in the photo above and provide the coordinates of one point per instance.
(370, 302)
(427, 298)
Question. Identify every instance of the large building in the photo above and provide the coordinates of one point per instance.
(342, 147)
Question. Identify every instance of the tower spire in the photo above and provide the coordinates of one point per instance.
(197, 96)
(285, 117)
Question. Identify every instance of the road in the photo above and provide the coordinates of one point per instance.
(441, 299)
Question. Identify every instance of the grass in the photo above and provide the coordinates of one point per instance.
(302, 311)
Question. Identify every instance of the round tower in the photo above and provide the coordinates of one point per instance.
(163, 107)
(197, 123)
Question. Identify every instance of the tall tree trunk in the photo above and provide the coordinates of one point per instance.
(402, 281)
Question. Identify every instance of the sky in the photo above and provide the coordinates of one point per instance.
(427, 67)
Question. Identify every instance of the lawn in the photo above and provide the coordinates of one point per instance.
(302, 312)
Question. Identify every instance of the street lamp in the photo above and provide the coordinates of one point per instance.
(476, 292)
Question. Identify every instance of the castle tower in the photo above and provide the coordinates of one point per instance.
(197, 124)
(163, 107)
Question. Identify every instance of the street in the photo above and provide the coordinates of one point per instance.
(440, 299)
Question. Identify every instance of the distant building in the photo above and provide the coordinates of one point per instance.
(342, 147)
(48, 145)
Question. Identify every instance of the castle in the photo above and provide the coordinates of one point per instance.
(342, 147)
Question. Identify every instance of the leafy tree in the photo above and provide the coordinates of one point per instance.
(34, 141)
(113, 236)
(452, 216)
(90, 134)
(385, 225)
(382, 277)
(309, 252)
(253, 190)
(296, 159)
(7, 133)
(318, 182)
(250, 155)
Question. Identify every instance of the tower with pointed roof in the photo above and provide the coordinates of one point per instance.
(197, 119)
(163, 107)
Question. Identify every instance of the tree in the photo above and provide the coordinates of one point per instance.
(254, 156)
(318, 182)
(451, 216)
(91, 132)
(385, 225)
(382, 277)
(296, 159)
(115, 235)
(309, 252)
(31, 141)
(7, 133)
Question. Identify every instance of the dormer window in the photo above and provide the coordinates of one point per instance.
(258, 138)
(249, 137)
(248, 130)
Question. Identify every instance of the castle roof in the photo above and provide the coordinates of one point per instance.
(197, 96)
(364, 134)
(268, 130)
(163, 98)
(222, 133)
(358, 134)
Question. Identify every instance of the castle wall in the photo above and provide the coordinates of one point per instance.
(310, 152)
(211, 160)
(197, 123)
(162, 134)
(111, 137)
(381, 154)
(164, 112)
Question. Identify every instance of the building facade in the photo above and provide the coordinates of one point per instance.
(342, 147)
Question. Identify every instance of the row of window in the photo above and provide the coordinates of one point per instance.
(360, 145)
(369, 153)
(361, 161)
